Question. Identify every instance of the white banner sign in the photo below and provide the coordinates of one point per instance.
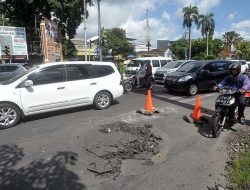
(13, 41)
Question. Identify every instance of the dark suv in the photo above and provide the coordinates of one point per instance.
(10, 70)
(197, 76)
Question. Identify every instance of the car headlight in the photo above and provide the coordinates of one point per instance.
(186, 78)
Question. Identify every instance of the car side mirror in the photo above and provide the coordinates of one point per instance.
(205, 72)
(28, 83)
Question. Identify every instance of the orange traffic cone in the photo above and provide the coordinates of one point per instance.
(149, 104)
(197, 109)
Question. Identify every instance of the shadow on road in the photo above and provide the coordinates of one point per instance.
(51, 174)
(61, 112)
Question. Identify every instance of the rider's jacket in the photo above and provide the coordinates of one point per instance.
(239, 82)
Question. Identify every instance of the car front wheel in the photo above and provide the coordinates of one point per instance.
(10, 115)
(192, 89)
(102, 100)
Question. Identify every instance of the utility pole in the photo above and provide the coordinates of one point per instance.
(148, 33)
(99, 30)
(3, 19)
(85, 35)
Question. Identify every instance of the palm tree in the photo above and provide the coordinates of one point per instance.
(190, 15)
(206, 22)
(231, 37)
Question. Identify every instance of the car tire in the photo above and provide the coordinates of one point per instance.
(10, 115)
(102, 100)
(192, 90)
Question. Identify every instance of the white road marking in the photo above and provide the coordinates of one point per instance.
(202, 96)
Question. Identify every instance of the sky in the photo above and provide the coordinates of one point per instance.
(165, 18)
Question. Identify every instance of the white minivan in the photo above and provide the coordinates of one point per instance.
(156, 63)
(56, 86)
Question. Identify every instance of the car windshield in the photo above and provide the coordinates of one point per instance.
(192, 67)
(137, 63)
(18, 76)
(173, 65)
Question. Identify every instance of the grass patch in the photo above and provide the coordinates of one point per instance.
(240, 172)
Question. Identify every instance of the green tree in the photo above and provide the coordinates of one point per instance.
(25, 12)
(116, 41)
(69, 49)
(231, 37)
(216, 46)
(243, 50)
(178, 48)
(190, 15)
(206, 22)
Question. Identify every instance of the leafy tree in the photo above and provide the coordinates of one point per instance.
(231, 37)
(190, 15)
(116, 41)
(243, 50)
(206, 22)
(69, 49)
(199, 48)
(178, 48)
(216, 46)
(25, 12)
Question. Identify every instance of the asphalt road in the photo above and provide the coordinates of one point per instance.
(46, 151)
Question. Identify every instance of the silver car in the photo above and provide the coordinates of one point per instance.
(161, 73)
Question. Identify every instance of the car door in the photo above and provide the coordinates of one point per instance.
(49, 90)
(205, 76)
(220, 70)
(81, 84)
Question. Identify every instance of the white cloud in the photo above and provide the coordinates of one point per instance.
(206, 5)
(241, 25)
(166, 15)
(243, 28)
(130, 15)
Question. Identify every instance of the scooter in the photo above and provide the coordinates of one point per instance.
(131, 83)
(224, 107)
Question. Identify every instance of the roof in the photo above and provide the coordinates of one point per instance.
(75, 62)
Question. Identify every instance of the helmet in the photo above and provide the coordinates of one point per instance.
(236, 67)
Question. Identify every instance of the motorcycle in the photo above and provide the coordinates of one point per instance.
(224, 107)
(131, 83)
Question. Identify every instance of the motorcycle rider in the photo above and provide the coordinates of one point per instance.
(239, 81)
(144, 72)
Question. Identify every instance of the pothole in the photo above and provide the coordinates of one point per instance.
(131, 141)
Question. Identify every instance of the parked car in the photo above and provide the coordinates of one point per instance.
(197, 76)
(162, 72)
(135, 64)
(56, 86)
(244, 65)
(10, 70)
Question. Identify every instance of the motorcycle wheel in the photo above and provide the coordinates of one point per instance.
(128, 86)
(217, 127)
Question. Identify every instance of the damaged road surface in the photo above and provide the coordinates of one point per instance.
(129, 141)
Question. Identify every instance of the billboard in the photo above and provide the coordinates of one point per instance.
(13, 44)
(51, 42)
